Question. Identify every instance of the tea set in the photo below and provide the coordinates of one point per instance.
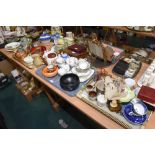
(79, 67)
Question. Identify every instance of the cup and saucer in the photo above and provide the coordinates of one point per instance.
(83, 70)
(135, 112)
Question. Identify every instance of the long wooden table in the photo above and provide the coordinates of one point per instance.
(125, 29)
(92, 113)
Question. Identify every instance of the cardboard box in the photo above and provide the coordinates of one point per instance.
(6, 67)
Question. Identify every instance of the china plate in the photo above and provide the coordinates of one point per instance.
(80, 74)
(12, 45)
(130, 117)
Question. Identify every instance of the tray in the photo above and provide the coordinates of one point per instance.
(55, 81)
(30, 67)
(117, 117)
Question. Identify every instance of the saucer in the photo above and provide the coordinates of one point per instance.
(131, 117)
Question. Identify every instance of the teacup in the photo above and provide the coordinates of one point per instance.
(139, 109)
(62, 71)
(50, 68)
(28, 59)
(72, 61)
(83, 66)
(66, 67)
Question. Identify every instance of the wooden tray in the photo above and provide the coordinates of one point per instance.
(30, 67)
(117, 117)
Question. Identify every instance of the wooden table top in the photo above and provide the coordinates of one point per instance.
(124, 28)
(92, 113)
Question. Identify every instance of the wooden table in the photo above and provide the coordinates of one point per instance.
(92, 113)
(125, 29)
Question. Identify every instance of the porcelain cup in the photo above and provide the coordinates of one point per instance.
(28, 60)
(139, 109)
(83, 66)
(62, 71)
(72, 61)
(66, 67)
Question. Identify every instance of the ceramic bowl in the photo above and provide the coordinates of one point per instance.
(69, 82)
(89, 88)
(93, 95)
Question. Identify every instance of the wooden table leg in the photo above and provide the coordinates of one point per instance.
(54, 103)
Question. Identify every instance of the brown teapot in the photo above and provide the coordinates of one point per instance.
(21, 53)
